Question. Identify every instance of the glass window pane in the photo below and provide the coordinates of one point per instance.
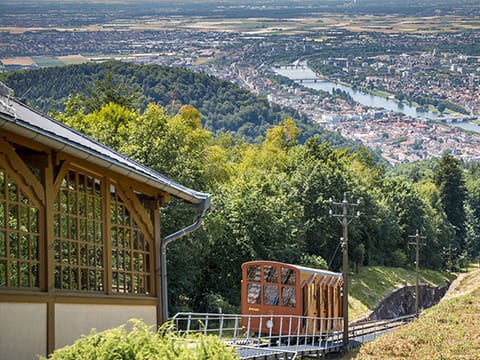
(23, 218)
(78, 231)
(34, 220)
(13, 217)
(3, 273)
(289, 296)
(3, 245)
(253, 294)
(34, 245)
(34, 274)
(14, 246)
(288, 276)
(2, 215)
(270, 274)
(2, 184)
(24, 275)
(270, 295)
(14, 274)
(253, 273)
(12, 190)
(24, 247)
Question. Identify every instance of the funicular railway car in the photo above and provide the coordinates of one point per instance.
(279, 298)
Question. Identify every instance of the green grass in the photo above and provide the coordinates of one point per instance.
(449, 330)
(72, 59)
(372, 284)
(44, 61)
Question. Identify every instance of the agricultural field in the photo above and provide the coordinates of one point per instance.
(45, 61)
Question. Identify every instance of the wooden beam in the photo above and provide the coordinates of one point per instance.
(22, 175)
(157, 265)
(60, 175)
(49, 251)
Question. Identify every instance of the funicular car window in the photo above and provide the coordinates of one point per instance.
(288, 276)
(270, 295)
(289, 296)
(254, 294)
(270, 274)
(253, 273)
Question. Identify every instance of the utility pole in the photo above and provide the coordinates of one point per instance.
(345, 213)
(449, 253)
(417, 244)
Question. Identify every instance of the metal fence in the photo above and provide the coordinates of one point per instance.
(282, 336)
(262, 330)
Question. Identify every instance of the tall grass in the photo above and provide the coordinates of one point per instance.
(372, 284)
(449, 330)
(142, 343)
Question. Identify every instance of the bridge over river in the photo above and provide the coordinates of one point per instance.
(300, 336)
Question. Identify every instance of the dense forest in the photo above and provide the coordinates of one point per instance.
(225, 107)
(271, 196)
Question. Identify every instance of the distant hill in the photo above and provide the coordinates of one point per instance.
(224, 106)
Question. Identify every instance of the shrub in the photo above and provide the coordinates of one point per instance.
(142, 343)
(314, 261)
(399, 258)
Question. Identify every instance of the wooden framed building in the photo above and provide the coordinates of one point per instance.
(80, 242)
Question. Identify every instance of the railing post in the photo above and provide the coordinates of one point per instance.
(206, 324)
(260, 325)
(235, 327)
(280, 332)
(189, 320)
(314, 330)
(290, 330)
(221, 326)
(299, 325)
(270, 328)
(321, 328)
(306, 329)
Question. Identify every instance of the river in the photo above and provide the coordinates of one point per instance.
(303, 72)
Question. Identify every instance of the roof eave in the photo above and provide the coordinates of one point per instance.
(20, 127)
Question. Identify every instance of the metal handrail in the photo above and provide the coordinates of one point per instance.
(237, 328)
(293, 334)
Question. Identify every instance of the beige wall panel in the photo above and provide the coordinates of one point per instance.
(23, 330)
(74, 320)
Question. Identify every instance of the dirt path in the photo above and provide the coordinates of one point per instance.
(464, 283)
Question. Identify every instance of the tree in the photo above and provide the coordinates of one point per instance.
(472, 213)
(449, 178)
(112, 89)
(358, 256)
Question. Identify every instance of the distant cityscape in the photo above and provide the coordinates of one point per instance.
(434, 71)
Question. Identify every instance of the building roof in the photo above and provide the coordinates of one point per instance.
(23, 120)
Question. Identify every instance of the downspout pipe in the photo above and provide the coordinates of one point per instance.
(201, 209)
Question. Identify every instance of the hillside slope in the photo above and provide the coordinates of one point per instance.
(374, 283)
(449, 330)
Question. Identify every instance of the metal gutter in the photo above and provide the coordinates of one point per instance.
(201, 209)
